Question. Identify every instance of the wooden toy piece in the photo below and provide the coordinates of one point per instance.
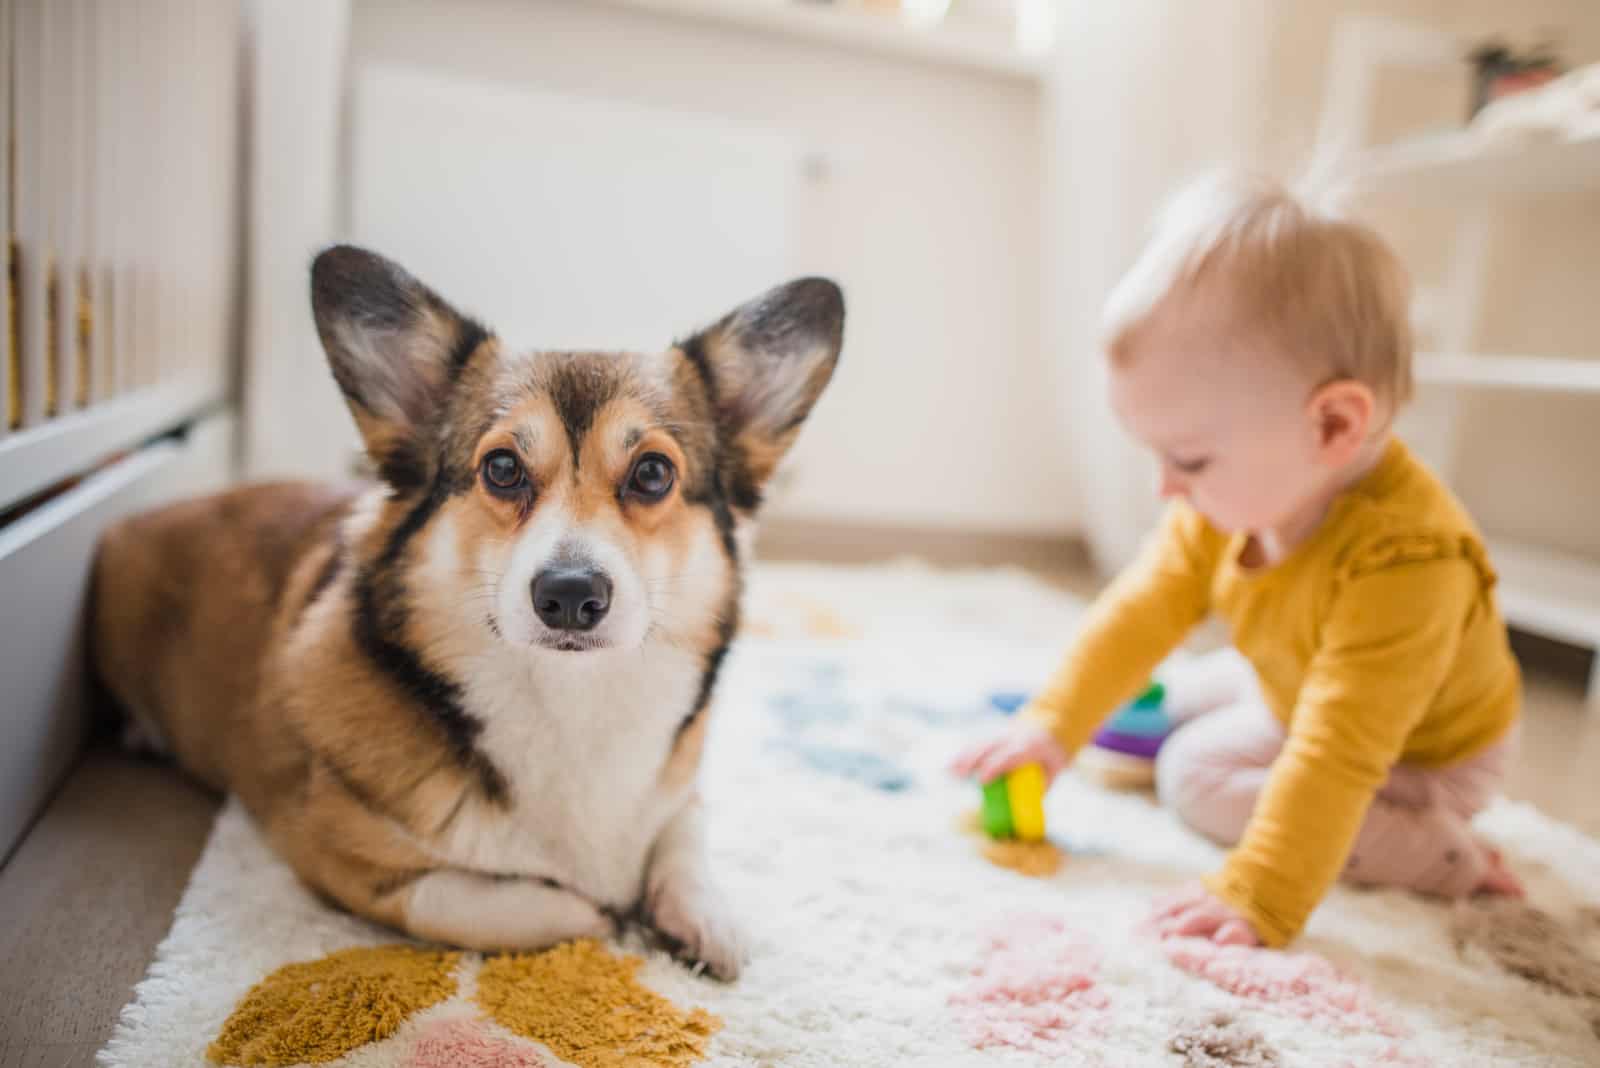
(1123, 752)
(1116, 771)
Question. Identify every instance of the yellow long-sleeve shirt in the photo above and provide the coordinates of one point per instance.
(1377, 641)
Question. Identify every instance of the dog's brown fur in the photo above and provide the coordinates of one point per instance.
(347, 661)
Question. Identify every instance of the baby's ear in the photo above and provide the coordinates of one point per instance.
(1343, 414)
(764, 365)
(396, 349)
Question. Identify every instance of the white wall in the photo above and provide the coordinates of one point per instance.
(580, 223)
(923, 199)
(1147, 93)
(296, 423)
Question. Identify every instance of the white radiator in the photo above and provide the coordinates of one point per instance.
(119, 201)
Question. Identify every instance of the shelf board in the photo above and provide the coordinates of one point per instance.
(951, 42)
(1548, 373)
(1549, 593)
(1459, 163)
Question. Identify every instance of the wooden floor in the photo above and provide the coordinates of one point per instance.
(90, 892)
(1558, 765)
(86, 898)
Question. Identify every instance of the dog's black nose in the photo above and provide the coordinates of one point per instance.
(571, 599)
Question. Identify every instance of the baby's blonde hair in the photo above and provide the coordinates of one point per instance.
(1324, 291)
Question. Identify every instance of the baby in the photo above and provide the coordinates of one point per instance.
(1261, 350)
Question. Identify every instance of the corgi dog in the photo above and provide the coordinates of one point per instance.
(470, 702)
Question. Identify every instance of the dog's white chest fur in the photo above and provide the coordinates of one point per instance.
(582, 739)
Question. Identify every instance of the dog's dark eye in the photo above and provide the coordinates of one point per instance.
(502, 471)
(652, 476)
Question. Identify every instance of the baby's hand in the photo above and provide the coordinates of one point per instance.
(1025, 743)
(1195, 912)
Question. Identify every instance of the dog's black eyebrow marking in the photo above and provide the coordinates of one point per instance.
(579, 387)
(632, 438)
(523, 440)
(381, 616)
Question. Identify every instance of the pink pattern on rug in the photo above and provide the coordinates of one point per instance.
(1302, 984)
(470, 1044)
(1393, 1055)
(1033, 987)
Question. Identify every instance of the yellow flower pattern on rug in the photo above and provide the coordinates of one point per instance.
(316, 1012)
(577, 1004)
(587, 1006)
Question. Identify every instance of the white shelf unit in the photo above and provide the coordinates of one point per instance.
(956, 41)
(1552, 593)
(1556, 374)
(1542, 591)
(1461, 164)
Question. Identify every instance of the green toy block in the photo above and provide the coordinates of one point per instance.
(996, 808)
(1152, 697)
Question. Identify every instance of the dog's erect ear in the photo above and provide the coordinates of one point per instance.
(765, 364)
(395, 347)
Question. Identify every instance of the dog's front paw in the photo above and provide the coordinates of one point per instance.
(694, 918)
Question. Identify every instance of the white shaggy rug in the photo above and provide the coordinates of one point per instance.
(880, 936)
